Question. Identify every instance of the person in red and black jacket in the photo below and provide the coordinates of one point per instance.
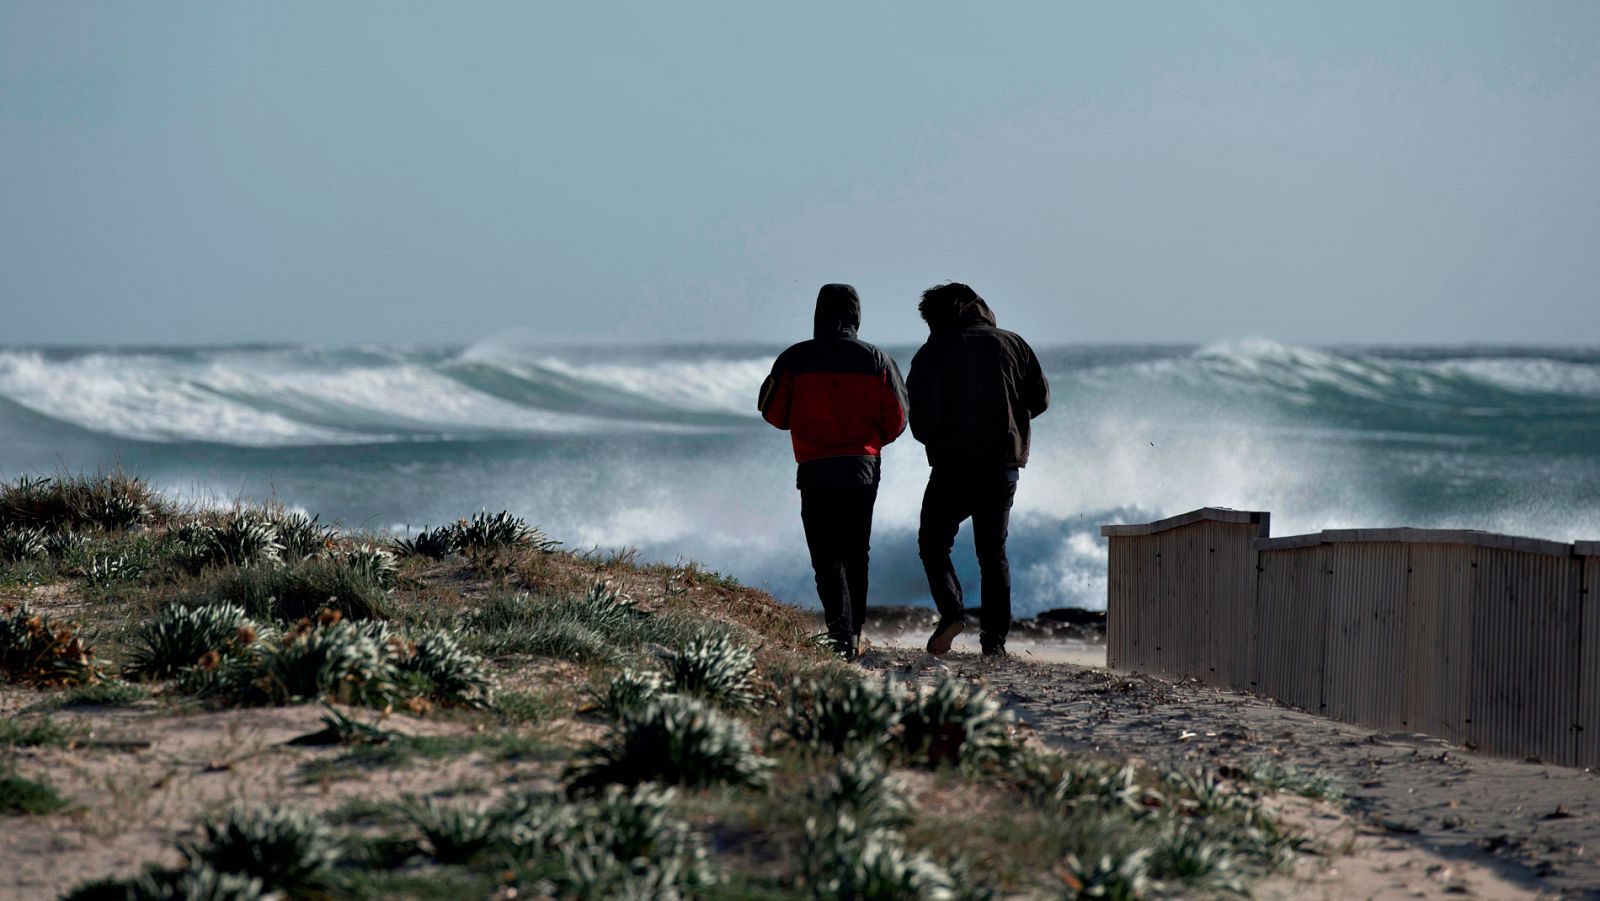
(842, 400)
(975, 389)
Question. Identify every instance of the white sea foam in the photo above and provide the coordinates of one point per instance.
(717, 386)
(1321, 438)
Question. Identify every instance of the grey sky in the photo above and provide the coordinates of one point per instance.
(375, 172)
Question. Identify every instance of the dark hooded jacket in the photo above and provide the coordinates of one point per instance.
(974, 390)
(840, 398)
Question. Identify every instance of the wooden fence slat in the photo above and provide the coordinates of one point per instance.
(1488, 640)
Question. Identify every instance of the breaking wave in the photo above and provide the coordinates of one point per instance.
(661, 449)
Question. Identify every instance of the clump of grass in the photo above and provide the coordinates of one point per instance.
(488, 532)
(1123, 877)
(196, 882)
(300, 535)
(1277, 776)
(331, 659)
(36, 651)
(106, 693)
(863, 786)
(21, 796)
(625, 843)
(65, 543)
(628, 690)
(955, 722)
(454, 833)
(589, 629)
(284, 848)
(19, 544)
(853, 847)
(178, 637)
(295, 590)
(840, 713)
(1083, 783)
(844, 859)
(1203, 791)
(372, 563)
(244, 539)
(363, 663)
(453, 675)
(193, 883)
(30, 732)
(1189, 856)
(111, 502)
(673, 740)
(434, 544)
(115, 569)
(716, 669)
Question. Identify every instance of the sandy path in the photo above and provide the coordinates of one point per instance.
(1490, 827)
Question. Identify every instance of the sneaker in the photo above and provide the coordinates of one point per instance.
(995, 650)
(943, 634)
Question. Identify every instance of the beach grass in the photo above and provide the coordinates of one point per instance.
(576, 725)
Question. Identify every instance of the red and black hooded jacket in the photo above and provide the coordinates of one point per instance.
(840, 398)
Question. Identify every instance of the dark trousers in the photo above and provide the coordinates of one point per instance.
(951, 498)
(838, 523)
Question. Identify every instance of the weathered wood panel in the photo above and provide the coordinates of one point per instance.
(1292, 611)
(1488, 640)
(1233, 604)
(1525, 645)
(1588, 675)
(1438, 640)
(1363, 670)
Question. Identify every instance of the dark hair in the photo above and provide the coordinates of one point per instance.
(942, 303)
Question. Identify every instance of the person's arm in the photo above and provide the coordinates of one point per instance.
(777, 395)
(1035, 387)
(892, 403)
(923, 392)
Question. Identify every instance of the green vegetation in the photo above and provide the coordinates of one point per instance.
(106, 693)
(652, 730)
(286, 849)
(20, 796)
(180, 637)
(38, 651)
(35, 732)
(673, 740)
(294, 590)
(715, 669)
(108, 502)
(19, 544)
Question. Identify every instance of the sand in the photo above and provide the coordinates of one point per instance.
(1425, 818)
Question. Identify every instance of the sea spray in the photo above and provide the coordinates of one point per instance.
(660, 448)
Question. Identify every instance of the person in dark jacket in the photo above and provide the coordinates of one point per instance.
(975, 388)
(842, 400)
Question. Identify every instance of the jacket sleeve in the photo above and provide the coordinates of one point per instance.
(892, 403)
(1036, 388)
(777, 395)
(923, 395)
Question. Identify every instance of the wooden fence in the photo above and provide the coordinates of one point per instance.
(1486, 640)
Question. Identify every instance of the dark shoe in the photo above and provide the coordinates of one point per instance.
(995, 650)
(943, 634)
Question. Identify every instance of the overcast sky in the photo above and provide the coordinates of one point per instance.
(445, 172)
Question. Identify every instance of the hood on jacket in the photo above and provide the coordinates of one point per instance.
(954, 306)
(838, 311)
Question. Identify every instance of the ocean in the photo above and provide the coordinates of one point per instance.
(660, 448)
